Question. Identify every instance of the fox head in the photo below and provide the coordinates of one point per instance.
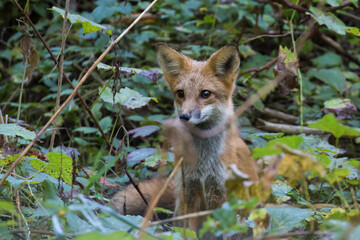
(202, 89)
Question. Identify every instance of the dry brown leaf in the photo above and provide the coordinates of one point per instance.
(295, 164)
(33, 61)
(288, 64)
(239, 183)
(26, 45)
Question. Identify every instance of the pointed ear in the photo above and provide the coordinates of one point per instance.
(171, 61)
(225, 61)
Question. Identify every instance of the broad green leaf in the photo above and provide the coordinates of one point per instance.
(329, 123)
(76, 224)
(290, 55)
(163, 210)
(280, 189)
(150, 74)
(86, 130)
(331, 77)
(4, 205)
(106, 123)
(355, 2)
(337, 175)
(190, 234)
(6, 161)
(153, 160)
(4, 231)
(290, 141)
(337, 103)
(140, 154)
(270, 148)
(226, 215)
(15, 130)
(328, 59)
(266, 135)
(123, 235)
(285, 219)
(127, 97)
(328, 19)
(260, 152)
(88, 25)
(60, 165)
(144, 131)
(334, 3)
(353, 30)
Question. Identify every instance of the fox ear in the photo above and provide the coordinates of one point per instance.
(171, 61)
(225, 61)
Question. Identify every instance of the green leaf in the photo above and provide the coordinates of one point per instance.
(270, 149)
(153, 160)
(266, 135)
(329, 123)
(60, 165)
(76, 224)
(86, 130)
(163, 210)
(290, 56)
(290, 141)
(144, 131)
(123, 235)
(15, 130)
(150, 74)
(286, 219)
(4, 231)
(331, 77)
(190, 234)
(7, 206)
(88, 25)
(328, 19)
(280, 189)
(353, 30)
(337, 103)
(328, 59)
(127, 97)
(337, 175)
(140, 154)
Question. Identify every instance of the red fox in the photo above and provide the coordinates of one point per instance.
(204, 134)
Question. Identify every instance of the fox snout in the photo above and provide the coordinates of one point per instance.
(185, 117)
(192, 116)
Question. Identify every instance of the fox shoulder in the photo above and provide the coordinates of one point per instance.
(129, 202)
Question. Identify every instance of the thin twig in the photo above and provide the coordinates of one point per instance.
(256, 70)
(183, 217)
(73, 92)
(6, 140)
(288, 129)
(339, 49)
(267, 35)
(260, 94)
(286, 3)
(61, 67)
(279, 115)
(22, 215)
(344, 4)
(293, 234)
(150, 209)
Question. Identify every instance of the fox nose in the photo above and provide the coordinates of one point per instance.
(184, 116)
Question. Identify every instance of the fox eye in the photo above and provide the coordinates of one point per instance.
(205, 94)
(180, 93)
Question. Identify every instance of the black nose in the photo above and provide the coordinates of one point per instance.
(184, 116)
